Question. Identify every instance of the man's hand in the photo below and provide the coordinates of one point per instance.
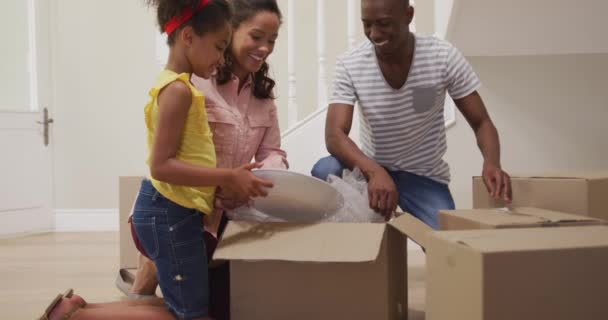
(382, 192)
(381, 189)
(498, 182)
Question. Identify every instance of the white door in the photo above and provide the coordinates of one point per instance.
(25, 160)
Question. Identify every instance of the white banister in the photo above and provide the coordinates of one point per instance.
(351, 9)
(322, 83)
(413, 24)
(444, 10)
(292, 105)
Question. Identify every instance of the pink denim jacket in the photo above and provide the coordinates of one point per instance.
(243, 126)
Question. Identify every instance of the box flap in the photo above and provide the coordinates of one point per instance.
(411, 227)
(597, 200)
(552, 217)
(598, 175)
(528, 239)
(323, 242)
(519, 217)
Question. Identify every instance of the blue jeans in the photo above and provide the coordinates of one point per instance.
(172, 237)
(421, 196)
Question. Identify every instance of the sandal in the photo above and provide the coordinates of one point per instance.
(124, 281)
(68, 294)
(135, 296)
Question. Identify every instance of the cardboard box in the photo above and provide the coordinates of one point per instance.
(523, 274)
(584, 194)
(518, 217)
(128, 188)
(317, 271)
(518, 273)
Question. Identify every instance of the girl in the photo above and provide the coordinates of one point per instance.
(241, 112)
(182, 164)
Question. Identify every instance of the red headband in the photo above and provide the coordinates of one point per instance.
(186, 14)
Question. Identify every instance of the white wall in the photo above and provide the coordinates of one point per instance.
(442, 17)
(103, 66)
(551, 113)
(524, 27)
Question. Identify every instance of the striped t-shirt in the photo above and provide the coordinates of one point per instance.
(403, 129)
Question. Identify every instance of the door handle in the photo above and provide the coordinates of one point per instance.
(45, 123)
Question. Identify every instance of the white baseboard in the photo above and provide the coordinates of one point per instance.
(25, 234)
(25, 222)
(79, 220)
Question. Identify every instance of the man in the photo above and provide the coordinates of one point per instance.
(400, 81)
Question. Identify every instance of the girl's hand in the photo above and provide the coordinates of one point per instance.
(231, 204)
(244, 185)
(226, 201)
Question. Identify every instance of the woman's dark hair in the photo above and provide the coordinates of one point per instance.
(210, 18)
(244, 10)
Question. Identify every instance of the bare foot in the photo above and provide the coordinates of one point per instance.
(66, 305)
(79, 300)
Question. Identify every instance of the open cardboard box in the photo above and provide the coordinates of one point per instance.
(583, 194)
(515, 273)
(128, 188)
(320, 271)
(316, 270)
(517, 217)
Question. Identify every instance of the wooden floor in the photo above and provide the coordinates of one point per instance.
(33, 269)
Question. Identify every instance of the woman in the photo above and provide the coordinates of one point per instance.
(243, 118)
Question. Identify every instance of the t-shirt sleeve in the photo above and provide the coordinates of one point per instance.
(343, 89)
(461, 79)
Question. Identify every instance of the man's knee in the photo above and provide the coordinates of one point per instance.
(326, 166)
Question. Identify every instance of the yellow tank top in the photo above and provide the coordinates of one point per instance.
(196, 145)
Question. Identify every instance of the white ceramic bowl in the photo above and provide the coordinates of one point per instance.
(296, 197)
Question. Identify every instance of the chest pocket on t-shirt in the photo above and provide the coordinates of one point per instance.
(425, 98)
